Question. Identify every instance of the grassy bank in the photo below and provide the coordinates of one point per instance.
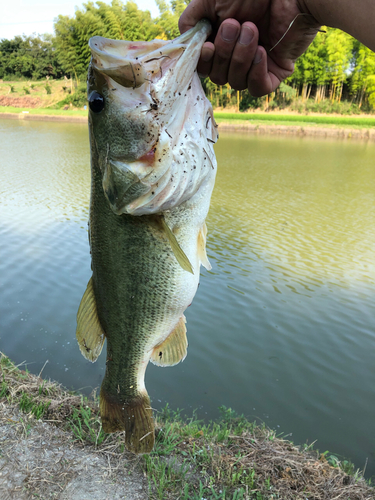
(43, 111)
(229, 459)
(229, 119)
(296, 119)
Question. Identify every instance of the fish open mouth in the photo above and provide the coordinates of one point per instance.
(131, 64)
(155, 87)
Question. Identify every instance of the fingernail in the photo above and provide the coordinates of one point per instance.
(229, 32)
(258, 57)
(246, 35)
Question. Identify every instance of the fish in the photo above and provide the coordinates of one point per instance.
(153, 170)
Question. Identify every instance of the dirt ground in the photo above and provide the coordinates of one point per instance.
(39, 460)
(20, 102)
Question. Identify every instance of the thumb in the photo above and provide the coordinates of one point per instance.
(194, 12)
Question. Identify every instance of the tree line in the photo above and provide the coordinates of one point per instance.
(334, 69)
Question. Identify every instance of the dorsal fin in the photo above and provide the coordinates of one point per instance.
(89, 333)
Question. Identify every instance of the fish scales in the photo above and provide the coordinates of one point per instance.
(150, 195)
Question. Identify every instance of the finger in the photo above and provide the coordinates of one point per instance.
(265, 75)
(205, 61)
(242, 56)
(194, 12)
(225, 42)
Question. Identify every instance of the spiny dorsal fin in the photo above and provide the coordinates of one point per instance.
(202, 247)
(177, 250)
(174, 348)
(89, 333)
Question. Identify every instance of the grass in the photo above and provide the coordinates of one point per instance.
(289, 119)
(228, 459)
(44, 111)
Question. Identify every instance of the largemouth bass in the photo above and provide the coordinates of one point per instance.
(153, 170)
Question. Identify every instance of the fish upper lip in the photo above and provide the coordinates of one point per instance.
(129, 69)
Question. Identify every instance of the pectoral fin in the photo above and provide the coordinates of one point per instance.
(202, 247)
(89, 333)
(177, 250)
(174, 348)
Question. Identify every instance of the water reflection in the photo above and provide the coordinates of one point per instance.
(300, 205)
(44, 173)
(282, 328)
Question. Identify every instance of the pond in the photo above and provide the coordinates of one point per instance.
(282, 328)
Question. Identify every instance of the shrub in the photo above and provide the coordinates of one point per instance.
(248, 101)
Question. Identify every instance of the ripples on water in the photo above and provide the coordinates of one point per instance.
(281, 329)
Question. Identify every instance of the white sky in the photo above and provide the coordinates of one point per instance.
(19, 17)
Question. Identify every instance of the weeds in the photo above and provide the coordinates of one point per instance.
(86, 426)
(29, 405)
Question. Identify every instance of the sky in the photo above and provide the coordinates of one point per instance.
(19, 17)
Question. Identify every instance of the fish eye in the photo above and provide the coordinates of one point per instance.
(96, 102)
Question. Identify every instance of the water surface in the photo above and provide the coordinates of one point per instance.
(281, 329)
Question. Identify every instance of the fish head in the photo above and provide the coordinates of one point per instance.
(151, 123)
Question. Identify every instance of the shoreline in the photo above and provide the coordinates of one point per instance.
(305, 130)
(44, 118)
(53, 446)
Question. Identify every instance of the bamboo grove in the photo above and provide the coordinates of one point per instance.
(337, 73)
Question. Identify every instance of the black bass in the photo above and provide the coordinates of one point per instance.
(153, 171)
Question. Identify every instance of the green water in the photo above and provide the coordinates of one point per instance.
(281, 329)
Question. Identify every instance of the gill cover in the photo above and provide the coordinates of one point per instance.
(155, 131)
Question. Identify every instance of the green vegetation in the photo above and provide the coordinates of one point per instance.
(44, 111)
(231, 459)
(292, 119)
(29, 57)
(335, 75)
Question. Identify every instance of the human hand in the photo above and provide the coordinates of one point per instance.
(255, 42)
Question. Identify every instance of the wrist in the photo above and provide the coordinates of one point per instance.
(317, 9)
(354, 17)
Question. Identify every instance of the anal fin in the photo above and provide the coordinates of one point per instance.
(202, 235)
(89, 333)
(174, 348)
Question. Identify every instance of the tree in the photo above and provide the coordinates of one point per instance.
(169, 16)
(30, 57)
(117, 21)
(364, 67)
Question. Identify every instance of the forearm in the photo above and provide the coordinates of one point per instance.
(356, 17)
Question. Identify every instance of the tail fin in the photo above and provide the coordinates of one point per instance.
(135, 418)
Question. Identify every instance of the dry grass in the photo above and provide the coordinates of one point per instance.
(231, 459)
